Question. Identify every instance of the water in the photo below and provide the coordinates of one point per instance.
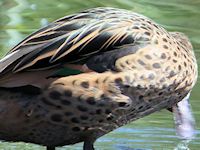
(18, 18)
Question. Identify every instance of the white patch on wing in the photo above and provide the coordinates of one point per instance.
(7, 56)
(3, 63)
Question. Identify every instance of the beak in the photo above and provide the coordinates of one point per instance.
(184, 120)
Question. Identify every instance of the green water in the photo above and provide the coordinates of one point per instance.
(18, 18)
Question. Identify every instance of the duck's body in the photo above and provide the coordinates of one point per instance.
(119, 66)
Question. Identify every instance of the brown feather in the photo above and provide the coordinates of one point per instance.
(71, 38)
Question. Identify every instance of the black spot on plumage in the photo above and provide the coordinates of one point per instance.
(82, 108)
(76, 129)
(68, 113)
(151, 76)
(162, 80)
(165, 46)
(141, 62)
(179, 67)
(149, 22)
(107, 111)
(56, 117)
(110, 118)
(156, 41)
(104, 97)
(65, 102)
(140, 107)
(85, 84)
(118, 80)
(141, 97)
(172, 73)
(105, 79)
(164, 39)
(135, 27)
(84, 117)
(122, 104)
(128, 62)
(175, 54)
(91, 101)
(68, 93)
(142, 77)
(54, 95)
(148, 56)
(75, 120)
(157, 32)
(98, 111)
(156, 65)
(101, 104)
(143, 27)
(48, 102)
(101, 120)
(185, 64)
(155, 26)
(163, 56)
(147, 33)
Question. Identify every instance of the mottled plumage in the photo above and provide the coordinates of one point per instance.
(87, 74)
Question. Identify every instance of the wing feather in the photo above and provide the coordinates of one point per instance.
(74, 38)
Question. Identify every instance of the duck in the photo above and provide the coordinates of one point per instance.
(89, 73)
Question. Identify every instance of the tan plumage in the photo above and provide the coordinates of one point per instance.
(119, 66)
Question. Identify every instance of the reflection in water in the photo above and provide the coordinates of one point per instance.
(183, 145)
(184, 120)
(155, 132)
